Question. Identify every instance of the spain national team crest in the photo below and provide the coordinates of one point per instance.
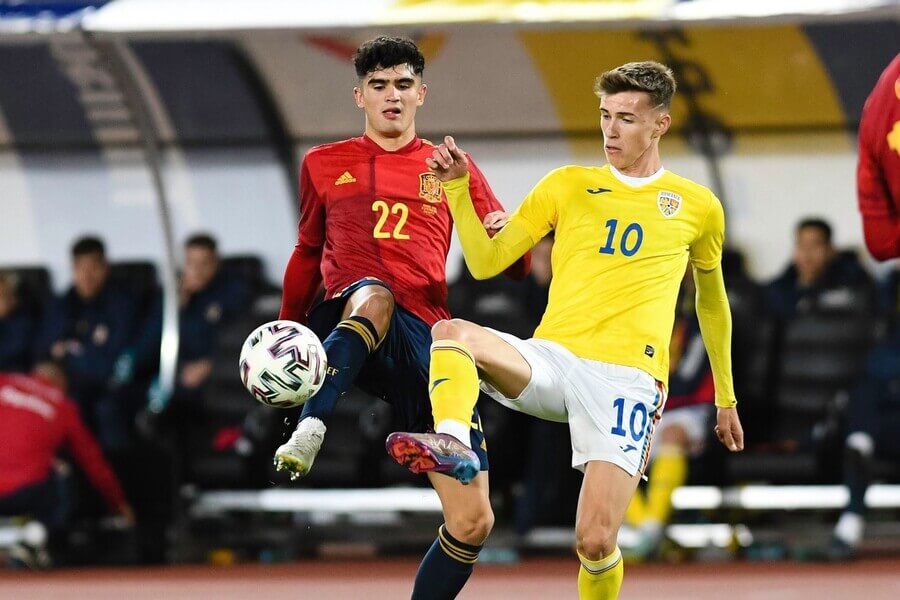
(669, 203)
(429, 187)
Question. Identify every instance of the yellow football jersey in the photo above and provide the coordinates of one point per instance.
(618, 260)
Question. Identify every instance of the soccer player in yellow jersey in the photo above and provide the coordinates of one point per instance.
(599, 359)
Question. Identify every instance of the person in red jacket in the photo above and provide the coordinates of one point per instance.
(878, 170)
(37, 420)
(375, 228)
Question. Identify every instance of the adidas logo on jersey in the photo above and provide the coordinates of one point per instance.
(345, 177)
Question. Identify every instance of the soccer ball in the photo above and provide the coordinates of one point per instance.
(283, 364)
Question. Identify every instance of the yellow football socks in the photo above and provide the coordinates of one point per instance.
(637, 509)
(667, 472)
(600, 579)
(453, 387)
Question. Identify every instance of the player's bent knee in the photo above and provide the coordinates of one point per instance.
(471, 527)
(376, 304)
(449, 329)
(596, 542)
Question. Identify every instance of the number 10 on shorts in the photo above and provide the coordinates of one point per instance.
(637, 421)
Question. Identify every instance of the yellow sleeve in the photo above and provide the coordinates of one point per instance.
(485, 256)
(714, 315)
(706, 251)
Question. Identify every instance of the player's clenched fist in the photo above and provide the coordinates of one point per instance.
(448, 161)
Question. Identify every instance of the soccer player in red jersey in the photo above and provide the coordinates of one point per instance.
(376, 229)
(878, 170)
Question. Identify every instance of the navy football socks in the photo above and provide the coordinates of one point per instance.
(445, 569)
(347, 348)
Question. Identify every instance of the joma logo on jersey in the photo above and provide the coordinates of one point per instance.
(669, 203)
(429, 187)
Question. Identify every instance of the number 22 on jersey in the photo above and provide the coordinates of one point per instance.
(384, 212)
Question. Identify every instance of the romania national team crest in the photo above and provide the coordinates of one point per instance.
(669, 203)
(429, 187)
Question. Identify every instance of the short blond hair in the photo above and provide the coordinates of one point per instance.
(647, 76)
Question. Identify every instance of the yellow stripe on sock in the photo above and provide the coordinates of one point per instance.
(360, 329)
(457, 557)
(465, 555)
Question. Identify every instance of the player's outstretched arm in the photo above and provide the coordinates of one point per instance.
(714, 315)
(485, 256)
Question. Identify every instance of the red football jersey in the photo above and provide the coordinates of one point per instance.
(368, 212)
(878, 170)
(36, 421)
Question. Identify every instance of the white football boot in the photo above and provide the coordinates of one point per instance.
(296, 455)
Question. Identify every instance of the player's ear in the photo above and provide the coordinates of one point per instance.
(357, 95)
(420, 100)
(663, 122)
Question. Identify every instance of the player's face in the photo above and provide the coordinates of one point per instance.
(631, 131)
(812, 253)
(89, 274)
(200, 266)
(390, 98)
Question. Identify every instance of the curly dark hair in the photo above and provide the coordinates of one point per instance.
(648, 76)
(385, 52)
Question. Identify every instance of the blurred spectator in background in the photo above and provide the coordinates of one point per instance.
(207, 297)
(17, 328)
(37, 421)
(878, 169)
(682, 432)
(873, 423)
(818, 277)
(87, 329)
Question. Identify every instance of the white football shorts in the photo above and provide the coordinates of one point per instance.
(612, 410)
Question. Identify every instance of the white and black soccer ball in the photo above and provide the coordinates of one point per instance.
(283, 364)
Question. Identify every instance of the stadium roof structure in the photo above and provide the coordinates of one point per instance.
(223, 15)
(197, 16)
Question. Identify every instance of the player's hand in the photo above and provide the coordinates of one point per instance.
(729, 430)
(494, 221)
(194, 373)
(126, 513)
(448, 161)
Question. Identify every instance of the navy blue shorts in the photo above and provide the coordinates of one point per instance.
(397, 372)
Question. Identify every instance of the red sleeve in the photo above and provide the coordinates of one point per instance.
(881, 225)
(89, 457)
(302, 277)
(484, 201)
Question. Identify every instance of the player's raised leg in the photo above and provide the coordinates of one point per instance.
(364, 321)
(605, 493)
(461, 351)
(468, 520)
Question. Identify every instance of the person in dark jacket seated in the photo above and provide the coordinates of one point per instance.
(207, 297)
(17, 328)
(818, 278)
(86, 329)
(873, 423)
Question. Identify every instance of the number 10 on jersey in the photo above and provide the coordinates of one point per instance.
(629, 243)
